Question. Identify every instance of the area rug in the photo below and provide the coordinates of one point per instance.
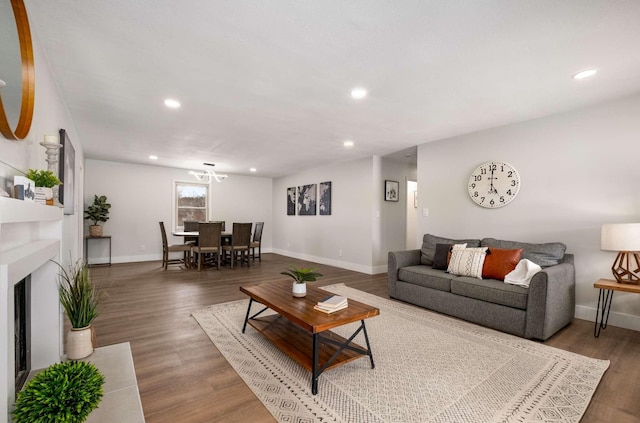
(429, 368)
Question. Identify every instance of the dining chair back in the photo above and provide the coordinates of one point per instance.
(191, 226)
(257, 239)
(185, 249)
(240, 241)
(208, 248)
(218, 221)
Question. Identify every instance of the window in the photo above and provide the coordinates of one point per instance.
(192, 203)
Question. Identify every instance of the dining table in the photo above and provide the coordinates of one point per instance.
(225, 237)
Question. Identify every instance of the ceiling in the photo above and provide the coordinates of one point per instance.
(266, 84)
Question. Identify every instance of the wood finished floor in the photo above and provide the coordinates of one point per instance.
(182, 377)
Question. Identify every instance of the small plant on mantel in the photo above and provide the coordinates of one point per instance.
(97, 212)
(43, 178)
(300, 277)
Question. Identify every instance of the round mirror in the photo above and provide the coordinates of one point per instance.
(17, 75)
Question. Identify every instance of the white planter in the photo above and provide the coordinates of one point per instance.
(79, 344)
(44, 195)
(299, 290)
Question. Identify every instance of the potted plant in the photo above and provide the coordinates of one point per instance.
(80, 300)
(64, 392)
(44, 180)
(97, 212)
(300, 278)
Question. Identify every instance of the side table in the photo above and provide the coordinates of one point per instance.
(607, 288)
(86, 249)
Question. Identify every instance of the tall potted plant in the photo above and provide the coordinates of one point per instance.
(97, 212)
(300, 278)
(80, 300)
(44, 180)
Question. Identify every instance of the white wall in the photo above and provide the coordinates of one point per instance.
(362, 227)
(578, 171)
(141, 196)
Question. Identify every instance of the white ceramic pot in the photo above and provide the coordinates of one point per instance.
(299, 290)
(79, 344)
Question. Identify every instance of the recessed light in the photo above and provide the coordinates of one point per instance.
(171, 103)
(348, 143)
(585, 74)
(358, 93)
(153, 157)
(253, 169)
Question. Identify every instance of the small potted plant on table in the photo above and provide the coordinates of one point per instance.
(97, 212)
(300, 278)
(44, 180)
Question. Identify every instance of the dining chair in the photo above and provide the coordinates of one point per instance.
(240, 241)
(191, 226)
(218, 221)
(185, 249)
(255, 242)
(208, 244)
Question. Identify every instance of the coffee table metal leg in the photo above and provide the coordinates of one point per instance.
(604, 307)
(316, 356)
(246, 318)
(366, 338)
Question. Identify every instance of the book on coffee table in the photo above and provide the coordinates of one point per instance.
(329, 310)
(334, 301)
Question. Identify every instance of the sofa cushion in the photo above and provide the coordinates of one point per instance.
(499, 262)
(429, 243)
(491, 290)
(544, 255)
(426, 276)
(467, 262)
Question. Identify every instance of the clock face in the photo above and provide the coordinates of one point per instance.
(494, 184)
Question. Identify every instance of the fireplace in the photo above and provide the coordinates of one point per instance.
(22, 330)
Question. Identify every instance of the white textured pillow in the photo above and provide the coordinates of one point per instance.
(467, 262)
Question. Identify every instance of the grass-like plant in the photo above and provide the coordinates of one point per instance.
(63, 393)
(79, 297)
(301, 275)
(43, 178)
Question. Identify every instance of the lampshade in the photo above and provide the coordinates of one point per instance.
(625, 239)
(620, 237)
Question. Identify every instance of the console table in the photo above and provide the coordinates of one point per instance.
(607, 288)
(86, 249)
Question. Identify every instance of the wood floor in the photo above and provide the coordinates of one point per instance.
(183, 378)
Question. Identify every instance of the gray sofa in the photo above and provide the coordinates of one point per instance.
(536, 312)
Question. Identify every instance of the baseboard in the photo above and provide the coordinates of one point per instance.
(621, 320)
(369, 270)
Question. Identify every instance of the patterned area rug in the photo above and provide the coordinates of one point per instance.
(429, 368)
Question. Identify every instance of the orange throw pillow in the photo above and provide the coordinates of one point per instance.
(499, 262)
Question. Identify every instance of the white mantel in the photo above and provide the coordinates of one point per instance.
(30, 236)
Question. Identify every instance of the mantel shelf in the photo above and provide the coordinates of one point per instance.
(18, 211)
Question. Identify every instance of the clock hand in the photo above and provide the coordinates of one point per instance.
(492, 189)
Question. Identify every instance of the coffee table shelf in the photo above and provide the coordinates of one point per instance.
(298, 343)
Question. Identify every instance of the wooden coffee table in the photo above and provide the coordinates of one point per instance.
(304, 333)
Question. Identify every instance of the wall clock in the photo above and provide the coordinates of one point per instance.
(494, 184)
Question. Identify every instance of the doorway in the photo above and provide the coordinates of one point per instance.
(412, 216)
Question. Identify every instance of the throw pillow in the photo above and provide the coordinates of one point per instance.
(467, 262)
(544, 255)
(443, 255)
(499, 262)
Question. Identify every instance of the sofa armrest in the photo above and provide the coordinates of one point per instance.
(397, 260)
(551, 303)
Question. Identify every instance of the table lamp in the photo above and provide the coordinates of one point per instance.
(625, 239)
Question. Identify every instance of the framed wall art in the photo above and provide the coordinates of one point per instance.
(391, 190)
(291, 201)
(67, 163)
(307, 200)
(325, 198)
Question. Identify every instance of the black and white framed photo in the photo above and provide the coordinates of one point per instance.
(291, 201)
(391, 190)
(325, 198)
(67, 166)
(307, 200)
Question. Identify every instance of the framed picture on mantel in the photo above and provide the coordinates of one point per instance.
(67, 166)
